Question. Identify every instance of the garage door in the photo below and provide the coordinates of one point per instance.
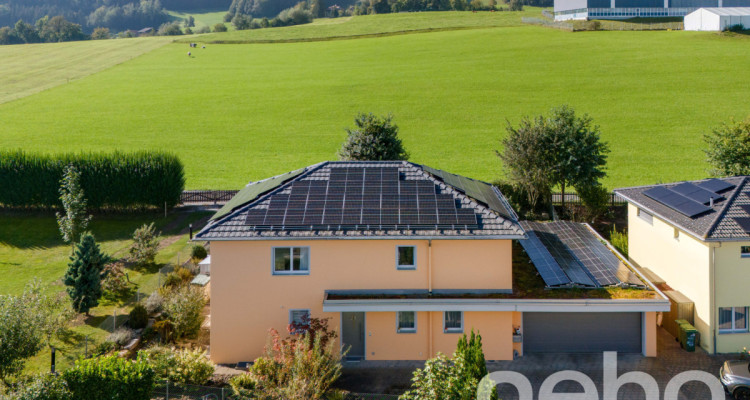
(581, 332)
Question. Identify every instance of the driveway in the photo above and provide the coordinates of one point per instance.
(394, 377)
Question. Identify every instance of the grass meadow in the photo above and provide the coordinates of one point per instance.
(240, 112)
(207, 18)
(30, 68)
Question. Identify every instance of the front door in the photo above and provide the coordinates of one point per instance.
(353, 334)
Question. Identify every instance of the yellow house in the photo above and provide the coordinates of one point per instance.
(401, 258)
(696, 237)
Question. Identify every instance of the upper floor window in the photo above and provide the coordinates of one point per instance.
(453, 322)
(291, 260)
(645, 216)
(732, 319)
(407, 322)
(406, 257)
(745, 251)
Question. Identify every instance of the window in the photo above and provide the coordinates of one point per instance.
(299, 317)
(745, 251)
(406, 257)
(732, 319)
(291, 260)
(406, 322)
(645, 216)
(453, 322)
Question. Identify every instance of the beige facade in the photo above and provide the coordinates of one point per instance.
(247, 298)
(712, 274)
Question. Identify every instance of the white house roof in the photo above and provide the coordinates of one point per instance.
(728, 11)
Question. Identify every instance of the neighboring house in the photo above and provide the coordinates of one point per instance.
(696, 237)
(403, 259)
(717, 19)
(623, 9)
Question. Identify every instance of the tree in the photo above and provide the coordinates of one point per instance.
(493, 4)
(220, 27)
(189, 21)
(84, 274)
(728, 149)
(318, 8)
(515, 5)
(58, 29)
(26, 32)
(145, 245)
(75, 220)
(183, 307)
(374, 139)
(242, 22)
(170, 29)
(100, 34)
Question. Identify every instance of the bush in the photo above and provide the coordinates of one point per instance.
(100, 33)
(121, 337)
(104, 347)
(110, 180)
(198, 253)
(203, 29)
(595, 199)
(115, 283)
(242, 22)
(154, 303)
(145, 245)
(619, 240)
(220, 27)
(734, 28)
(183, 307)
(110, 378)
(42, 387)
(170, 29)
(183, 366)
(138, 317)
(165, 329)
(243, 385)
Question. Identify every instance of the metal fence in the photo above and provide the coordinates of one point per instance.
(370, 396)
(207, 196)
(572, 198)
(179, 391)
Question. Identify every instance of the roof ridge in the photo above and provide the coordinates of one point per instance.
(726, 207)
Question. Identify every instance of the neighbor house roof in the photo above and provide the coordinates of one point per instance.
(365, 200)
(718, 223)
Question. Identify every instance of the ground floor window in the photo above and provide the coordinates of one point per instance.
(406, 321)
(732, 319)
(745, 251)
(300, 317)
(453, 322)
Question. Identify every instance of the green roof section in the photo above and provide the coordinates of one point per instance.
(255, 190)
(481, 191)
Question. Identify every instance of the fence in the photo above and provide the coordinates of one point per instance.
(207, 196)
(167, 390)
(572, 198)
(544, 22)
(604, 25)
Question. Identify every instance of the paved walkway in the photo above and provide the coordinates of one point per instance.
(394, 376)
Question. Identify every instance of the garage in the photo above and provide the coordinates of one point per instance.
(583, 332)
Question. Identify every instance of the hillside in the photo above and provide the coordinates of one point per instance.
(239, 112)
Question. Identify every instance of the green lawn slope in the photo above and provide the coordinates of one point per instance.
(240, 112)
(31, 68)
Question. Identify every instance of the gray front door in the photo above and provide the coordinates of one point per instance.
(353, 334)
(582, 332)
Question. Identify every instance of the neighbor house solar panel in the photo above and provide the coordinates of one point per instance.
(543, 261)
(744, 223)
(676, 201)
(696, 193)
(716, 185)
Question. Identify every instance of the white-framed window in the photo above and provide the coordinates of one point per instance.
(453, 322)
(732, 319)
(646, 216)
(406, 257)
(299, 316)
(291, 260)
(745, 251)
(406, 322)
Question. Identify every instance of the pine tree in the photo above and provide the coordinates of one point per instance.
(75, 220)
(84, 274)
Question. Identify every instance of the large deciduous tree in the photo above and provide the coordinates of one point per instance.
(84, 274)
(373, 139)
(728, 149)
(74, 220)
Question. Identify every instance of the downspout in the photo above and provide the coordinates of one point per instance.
(429, 266)
(712, 314)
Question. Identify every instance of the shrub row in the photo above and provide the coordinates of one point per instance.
(109, 180)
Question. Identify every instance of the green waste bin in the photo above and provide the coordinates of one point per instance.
(688, 335)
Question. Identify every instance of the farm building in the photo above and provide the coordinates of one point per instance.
(624, 9)
(717, 19)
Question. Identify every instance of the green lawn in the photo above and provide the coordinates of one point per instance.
(240, 112)
(373, 25)
(207, 18)
(30, 68)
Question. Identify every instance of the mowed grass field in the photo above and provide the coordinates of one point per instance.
(241, 112)
(30, 68)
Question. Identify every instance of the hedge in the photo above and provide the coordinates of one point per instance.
(110, 378)
(109, 180)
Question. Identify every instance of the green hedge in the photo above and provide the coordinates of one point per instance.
(110, 378)
(109, 180)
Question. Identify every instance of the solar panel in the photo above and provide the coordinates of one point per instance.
(548, 268)
(744, 223)
(696, 193)
(746, 208)
(716, 185)
(676, 201)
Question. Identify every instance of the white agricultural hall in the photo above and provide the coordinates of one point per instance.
(717, 19)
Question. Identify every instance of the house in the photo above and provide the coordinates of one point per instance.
(717, 19)
(623, 9)
(403, 259)
(695, 236)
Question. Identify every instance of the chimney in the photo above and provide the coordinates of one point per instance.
(711, 202)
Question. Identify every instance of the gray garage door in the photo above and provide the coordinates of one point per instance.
(581, 332)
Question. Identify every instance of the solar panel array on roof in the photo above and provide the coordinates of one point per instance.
(363, 197)
(676, 201)
(481, 191)
(716, 185)
(744, 223)
(548, 268)
(696, 193)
